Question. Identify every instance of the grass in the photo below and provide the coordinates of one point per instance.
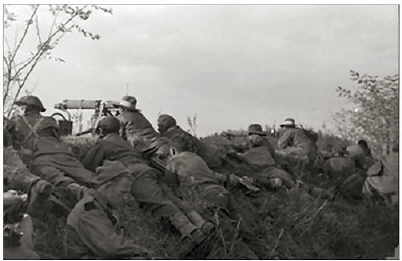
(284, 224)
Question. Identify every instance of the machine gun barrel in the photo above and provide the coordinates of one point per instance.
(85, 104)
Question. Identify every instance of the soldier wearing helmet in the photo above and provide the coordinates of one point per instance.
(295, 140)
(135, 128)
(93, 228)
(184, 141)
(145, 187)
(36, 137)
(191, 179)
(260, 157)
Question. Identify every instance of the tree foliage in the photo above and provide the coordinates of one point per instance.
(375, 110)
(33, 43)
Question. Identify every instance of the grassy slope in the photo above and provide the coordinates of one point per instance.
(291, 225)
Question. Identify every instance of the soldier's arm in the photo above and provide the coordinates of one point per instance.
(99, 234)
(94, 157)
(284, 140)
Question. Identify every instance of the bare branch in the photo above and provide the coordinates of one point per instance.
(37, 29)
(24, 34)
(47, 42)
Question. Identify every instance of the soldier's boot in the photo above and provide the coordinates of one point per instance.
(205, 226)
(192, 236)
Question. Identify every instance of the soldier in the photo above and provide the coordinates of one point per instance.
(37, 139)
(135, 128)
(296, 146)
(184, 141)
(93, 230)
(383, 178)
(262, 160)
(360, 153)
(190, 178)
(145, 187)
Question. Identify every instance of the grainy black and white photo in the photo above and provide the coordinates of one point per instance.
(201, 131)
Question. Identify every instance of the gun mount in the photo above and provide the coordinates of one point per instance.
(101, 108)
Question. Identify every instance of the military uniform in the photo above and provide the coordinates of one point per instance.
(295, 142)
(362, 159)
(93, 229)
(204, 190)
(145, 187)
(136, 129)
(184, 141)
(383, 179)
(49, 158)
(263, 164)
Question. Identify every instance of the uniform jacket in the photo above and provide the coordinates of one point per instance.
(296, 137)
(93, 231)
(44, 149)
(111, 147)
(136, 129)
(184, 141)
(195, 181)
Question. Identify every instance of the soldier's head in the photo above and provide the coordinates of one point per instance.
(165, 122)
(127, 103)
(113, 182)
(288, 123)
(28, 104)
(106, 125)
(255, 135)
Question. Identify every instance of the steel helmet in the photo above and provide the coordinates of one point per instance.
(31, 101)
(256, 129)
(128, 102)
(108, 124)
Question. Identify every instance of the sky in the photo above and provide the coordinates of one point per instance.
(231, 65)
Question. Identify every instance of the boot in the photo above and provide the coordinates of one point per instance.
(205, 226)
(182, 224)
(192, 236)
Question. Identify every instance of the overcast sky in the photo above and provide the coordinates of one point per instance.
(230, 65)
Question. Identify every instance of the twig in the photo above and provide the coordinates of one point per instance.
(313, 216)
(276, 243)
(24, 34)
(235, 235)
(220, 232)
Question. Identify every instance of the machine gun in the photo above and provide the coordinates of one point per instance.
(101, 108)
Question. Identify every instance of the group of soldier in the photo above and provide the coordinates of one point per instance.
(171, 174)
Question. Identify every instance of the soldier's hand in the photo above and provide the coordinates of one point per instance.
(77, 190)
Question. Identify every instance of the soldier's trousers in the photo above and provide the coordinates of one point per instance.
(147, 191)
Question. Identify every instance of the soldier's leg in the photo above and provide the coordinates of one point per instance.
(150, 195)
